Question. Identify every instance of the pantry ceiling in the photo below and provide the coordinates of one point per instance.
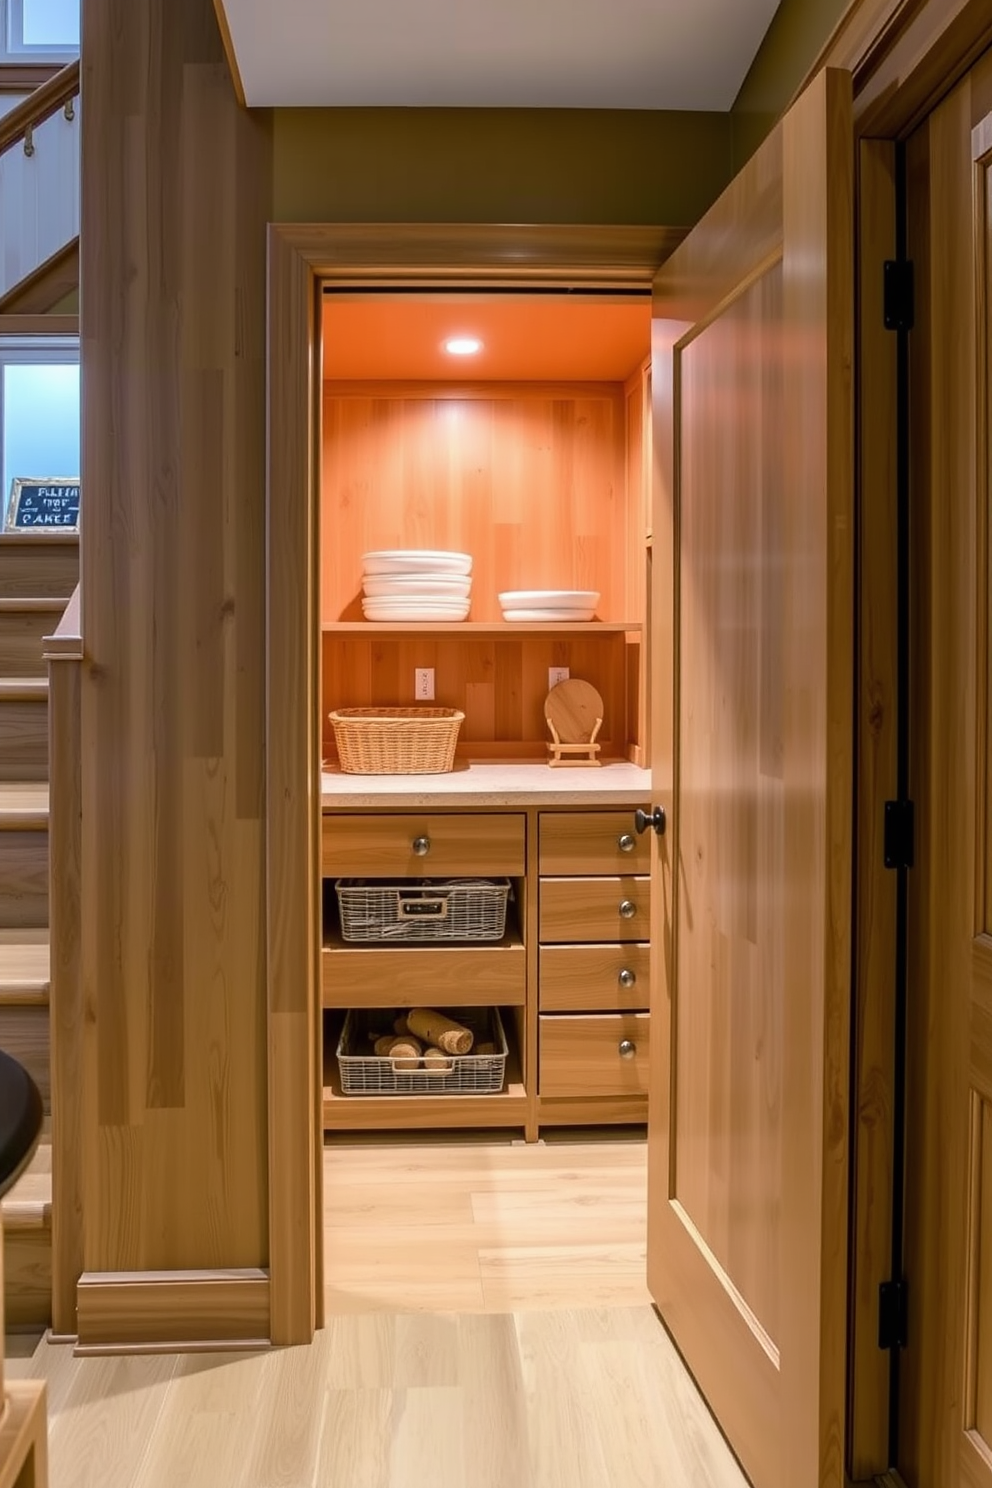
(617, 54)
(525, 339)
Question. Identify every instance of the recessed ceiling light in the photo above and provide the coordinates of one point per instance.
(463, 345)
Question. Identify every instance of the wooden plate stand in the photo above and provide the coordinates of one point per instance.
(574, 713)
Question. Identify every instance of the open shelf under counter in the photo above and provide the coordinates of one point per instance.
(503, 629)
(508, 1108)
(489, 783)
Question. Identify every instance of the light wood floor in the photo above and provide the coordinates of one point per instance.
(488, 1327)
(484, 1226)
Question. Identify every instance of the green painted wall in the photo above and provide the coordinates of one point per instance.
(499, 165)
(798, 32)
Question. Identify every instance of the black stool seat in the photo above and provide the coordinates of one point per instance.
(21, 1114)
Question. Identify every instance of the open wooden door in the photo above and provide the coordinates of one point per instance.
(752, 760)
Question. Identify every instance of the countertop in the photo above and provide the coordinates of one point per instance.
(490, 784)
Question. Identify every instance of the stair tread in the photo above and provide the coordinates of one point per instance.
(25, 967)
(28, 1205)
(23, 688)
(27, 605)
(23, 805)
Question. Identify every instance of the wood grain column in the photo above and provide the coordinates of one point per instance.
(176, 192)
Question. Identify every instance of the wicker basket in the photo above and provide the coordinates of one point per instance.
(396, 741)
(363, 1073)
(423, 909)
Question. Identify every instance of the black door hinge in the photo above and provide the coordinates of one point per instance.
(893, 1307)
(899, 834)
(898, 300)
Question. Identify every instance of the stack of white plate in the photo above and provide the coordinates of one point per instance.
(416, 584)
(529, 605)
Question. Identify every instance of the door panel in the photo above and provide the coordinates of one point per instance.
(728, 1146)
(747, 1242)
(945, 1376)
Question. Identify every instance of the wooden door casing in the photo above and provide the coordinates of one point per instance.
(945, 1400)
(747, 1248)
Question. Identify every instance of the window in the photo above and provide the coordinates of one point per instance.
(39, 411)
(39, 30)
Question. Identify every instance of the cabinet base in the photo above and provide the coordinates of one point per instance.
(603, 1110)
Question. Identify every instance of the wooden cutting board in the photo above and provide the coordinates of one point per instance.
(573, 707)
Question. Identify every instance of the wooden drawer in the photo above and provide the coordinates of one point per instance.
(575, 979)
(586, 909)
(382, 846)
(589, 842)
(580, 1055)
(425, 976)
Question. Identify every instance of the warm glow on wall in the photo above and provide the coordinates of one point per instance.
(463, 345)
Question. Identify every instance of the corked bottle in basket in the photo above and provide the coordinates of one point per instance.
(440, 1031)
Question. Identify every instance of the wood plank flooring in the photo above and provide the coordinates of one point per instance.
(479, 1225)
(488, 1327)
(591, 1398)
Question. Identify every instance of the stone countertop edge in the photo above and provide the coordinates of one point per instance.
(490, 784)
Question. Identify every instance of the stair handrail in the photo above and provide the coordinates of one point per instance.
(41, 105)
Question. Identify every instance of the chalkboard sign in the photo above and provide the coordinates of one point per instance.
(38, 505)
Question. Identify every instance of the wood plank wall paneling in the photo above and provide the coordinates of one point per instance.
(500, 684)
(176, 190)
(528, 479)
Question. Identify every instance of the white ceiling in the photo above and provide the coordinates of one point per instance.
(635, 54)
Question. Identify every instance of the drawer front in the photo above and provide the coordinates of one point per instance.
(594, 978)
(580, 1054)
(422, 976)
(585, 909)
(593, 842)
(455, 845)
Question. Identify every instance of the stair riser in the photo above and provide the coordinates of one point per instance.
(38, 570)
(24, 1035)
(27, 1278)
(23, 739)
(22, 641)
(23, 880)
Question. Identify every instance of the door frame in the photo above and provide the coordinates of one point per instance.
(904, 56)
(301, 259)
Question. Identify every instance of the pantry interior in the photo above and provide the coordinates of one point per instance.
(532, 455)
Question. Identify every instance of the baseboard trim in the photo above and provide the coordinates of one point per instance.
(172, 1311)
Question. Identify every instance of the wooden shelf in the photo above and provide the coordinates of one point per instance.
(504, 630)
(380, 1112)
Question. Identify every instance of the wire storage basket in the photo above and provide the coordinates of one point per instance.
(365, 1073)
(423, 909)
(396, 741)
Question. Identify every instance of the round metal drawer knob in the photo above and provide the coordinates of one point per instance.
(627, 1049)
(421, 846)
(628, 909)
(626, 843)
(626, 978)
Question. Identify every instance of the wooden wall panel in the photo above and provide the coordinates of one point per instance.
(176, 193)
(500, 684)
(528, 479)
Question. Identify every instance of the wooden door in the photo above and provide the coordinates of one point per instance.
(752, 758)
(945, 1374)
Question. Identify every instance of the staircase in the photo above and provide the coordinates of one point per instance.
(37, 577)
(39, 191)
